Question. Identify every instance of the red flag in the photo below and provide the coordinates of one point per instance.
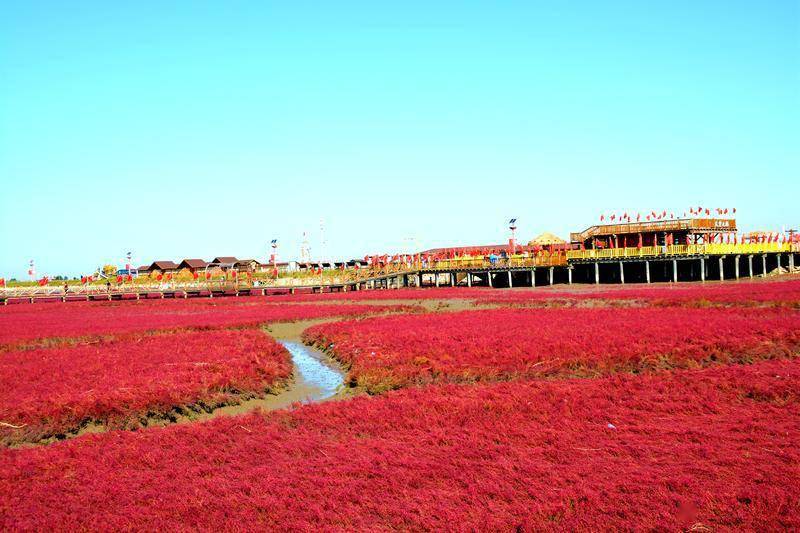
(639, 244)
(602, 218)
(2, 282)
(708, 212)
(43, 281)
(638, 217)
(129, 277)
(160, 277)
(119, 278)
(195, 275)
(208, 275)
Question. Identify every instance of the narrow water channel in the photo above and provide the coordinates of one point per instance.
(320, 380)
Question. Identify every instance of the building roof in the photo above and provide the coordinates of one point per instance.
(247, 261)
(143, 268)
(163, 265)
(546, 238)
(193, 263)
(691, 225)
(225, 259)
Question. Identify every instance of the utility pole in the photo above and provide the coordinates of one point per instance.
(322, 243)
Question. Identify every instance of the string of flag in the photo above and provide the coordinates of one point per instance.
(699, 211)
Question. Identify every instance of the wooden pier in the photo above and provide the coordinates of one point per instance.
(651, 264)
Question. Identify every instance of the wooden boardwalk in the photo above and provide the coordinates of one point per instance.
(616, 265)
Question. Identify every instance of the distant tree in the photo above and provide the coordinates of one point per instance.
(109, 270)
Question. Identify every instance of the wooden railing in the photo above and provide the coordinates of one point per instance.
(516, 261)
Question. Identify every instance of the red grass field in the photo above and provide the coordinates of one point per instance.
(389, 352)
(774, 293)
(709, 449)
(50, 391)
(20, 324)
(675, 408)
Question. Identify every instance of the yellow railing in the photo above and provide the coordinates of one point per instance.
(545, 260)
(680, 249)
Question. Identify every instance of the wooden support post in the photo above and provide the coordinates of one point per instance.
(510, 284)
(420, 279)
(436, 278)
(736, 266)
(621, 273)
(675, 271)
(702, 269)
(452, 279)
(721, 268)
(791, 262)
(596, 273)
(750, 266)
(647, 271)
(551, 274)
(469, 279)
(764, 265)
(569, 275)
(779, 264)
(489, 277)
(533, 277)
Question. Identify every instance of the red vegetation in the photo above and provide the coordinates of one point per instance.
(708, 449)
(54, 390)
(19, 324)
(390, 352)
(785, 293)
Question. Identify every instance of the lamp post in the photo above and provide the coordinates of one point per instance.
(129, 263)
(512, 225)
(273, 257)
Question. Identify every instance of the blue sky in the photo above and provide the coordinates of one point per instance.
(200, 129)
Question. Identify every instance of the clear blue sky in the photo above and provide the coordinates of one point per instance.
(195, 129)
